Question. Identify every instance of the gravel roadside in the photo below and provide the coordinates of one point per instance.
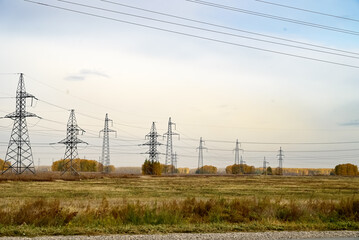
(209, 236)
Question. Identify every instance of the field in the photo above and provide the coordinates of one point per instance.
(142, 204)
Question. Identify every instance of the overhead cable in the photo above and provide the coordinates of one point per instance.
(309, 24)
(196, 36)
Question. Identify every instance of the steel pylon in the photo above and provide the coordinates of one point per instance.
(152, 144)
(71, 142)
(237, 155)
(105, 158)
(200, 155)
(265, 166)
(19, 154)
(280, 159)
(169, 148)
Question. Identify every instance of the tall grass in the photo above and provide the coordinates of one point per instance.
(42, 212)
(53, 176)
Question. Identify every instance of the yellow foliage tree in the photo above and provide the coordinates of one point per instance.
(151, 168)
(207, 169)
(346, 170)
(81, 165)
(4, 166)
(240, 169)
(183, 170)
(168, 169)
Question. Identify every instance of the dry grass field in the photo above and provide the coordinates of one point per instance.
(99, 204)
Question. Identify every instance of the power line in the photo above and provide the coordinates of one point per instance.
(209, 30)
(230, 28)
(306, 151)
(277, 143)
(54, 105)
(307, 10)
(196, 36)
(314, 25)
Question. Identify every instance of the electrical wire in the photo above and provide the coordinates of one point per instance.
(54, 105)
(276, 143)
(230, 28)
(195, 36)
(307, 10)
(314, 25)
(207, 30)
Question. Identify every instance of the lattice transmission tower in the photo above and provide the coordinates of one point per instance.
(152, 144)
(19, 154)
(280, 159)
(105, 159)
(237, 156)
(71, 142)
(169, 147)
(175, 160)
(265, 166)
(200, 156)
(241, 162)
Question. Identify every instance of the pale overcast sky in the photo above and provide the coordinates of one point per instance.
(215, 90)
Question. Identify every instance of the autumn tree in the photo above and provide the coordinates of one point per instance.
(4, 166)
(207, 169)
(346, 170)
(151, 168)
(168, 169)
(240, 169)
(81, 165)
(183, 170)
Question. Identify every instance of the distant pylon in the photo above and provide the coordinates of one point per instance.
(175, 160)
(105, 160)
(71, 142)
(200, 156)
(241, 162)
(280, 159)
(19, 154)
(169, 147)
(152, 143)
(237, 155)
(265, 166)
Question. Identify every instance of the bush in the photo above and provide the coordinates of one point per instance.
(346, 170)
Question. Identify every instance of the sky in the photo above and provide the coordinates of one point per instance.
(218, 83)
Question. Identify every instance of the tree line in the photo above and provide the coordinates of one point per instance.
(156, 168)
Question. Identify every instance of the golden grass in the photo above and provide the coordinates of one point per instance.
(78, 202)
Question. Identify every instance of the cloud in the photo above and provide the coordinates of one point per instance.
(94, 73)
(350, 123)
(84, 73)
(75, 78)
